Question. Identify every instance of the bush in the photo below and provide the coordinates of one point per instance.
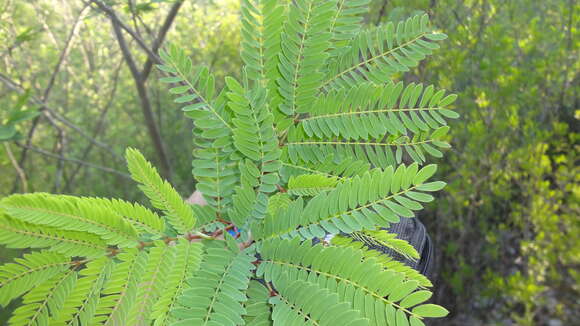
(315, 139)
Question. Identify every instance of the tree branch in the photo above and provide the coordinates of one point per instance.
(99, 126)
(144, 98)
(74, 160)
(381, 12)
(141, 77)
(161, 37)
(17, 167)
(115, 19)
(65, 51)
(50, 113)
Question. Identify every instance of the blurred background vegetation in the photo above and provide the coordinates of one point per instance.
(74, 95)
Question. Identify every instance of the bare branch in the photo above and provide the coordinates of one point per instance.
(99, 126)
(381, 12)
(161, 37)
(19, 171)
(64, 53)
(50, 113)
(145, 103)
(46, 94)
(74, 160)
(114, 18)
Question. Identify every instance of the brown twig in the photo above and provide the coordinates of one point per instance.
(145, 103)
(273, 292)
(52, 114)
(78, 263)
(161, 38)
(113, 16)
(19, 171)
(64, 53)
(141, 77)
(381, 12)
(99, 126)
(94, 166)
(60, 149)
(221, 220)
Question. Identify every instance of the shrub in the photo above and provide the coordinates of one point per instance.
(315, 139)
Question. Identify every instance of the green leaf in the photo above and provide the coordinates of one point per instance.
(27, 272)
(326, 310)
(430, 310)
(151, 285)
(186, 261)
(385, 51)
(80, 305)
(17, 116)
(449, 99)
(161, 194)
(436, 36)
(7, 132)
(214, 295)
(44, 300)
(310, 184)
(424, 174)
(18, 234)
(416, 298)
(72, 214)
(432, 186)
(440, 132)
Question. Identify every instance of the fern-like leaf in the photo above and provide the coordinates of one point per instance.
(246, 204)
(152, 284)
(305, 303)
(346, 23)
(277, 202)
(305, 39)
(360, 203)
(310, 184)
(205, 215)
(262, 22)
(161, 194)
(29, 271)
(18, 234)
(385, 239)
(250, 200)
(196, 85)
(329, 167)
(187, 260)
(120, 290)
(381, 152)
(213, 168)
(215, 296)
(71, 213)
(385, 50)
(385, 260)
(216, 174)
(368, 288)
(257, 307)
(44, 301)
(143, 219)
(368, 111)
(254, 135)
(80, 306)
(256, 139)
